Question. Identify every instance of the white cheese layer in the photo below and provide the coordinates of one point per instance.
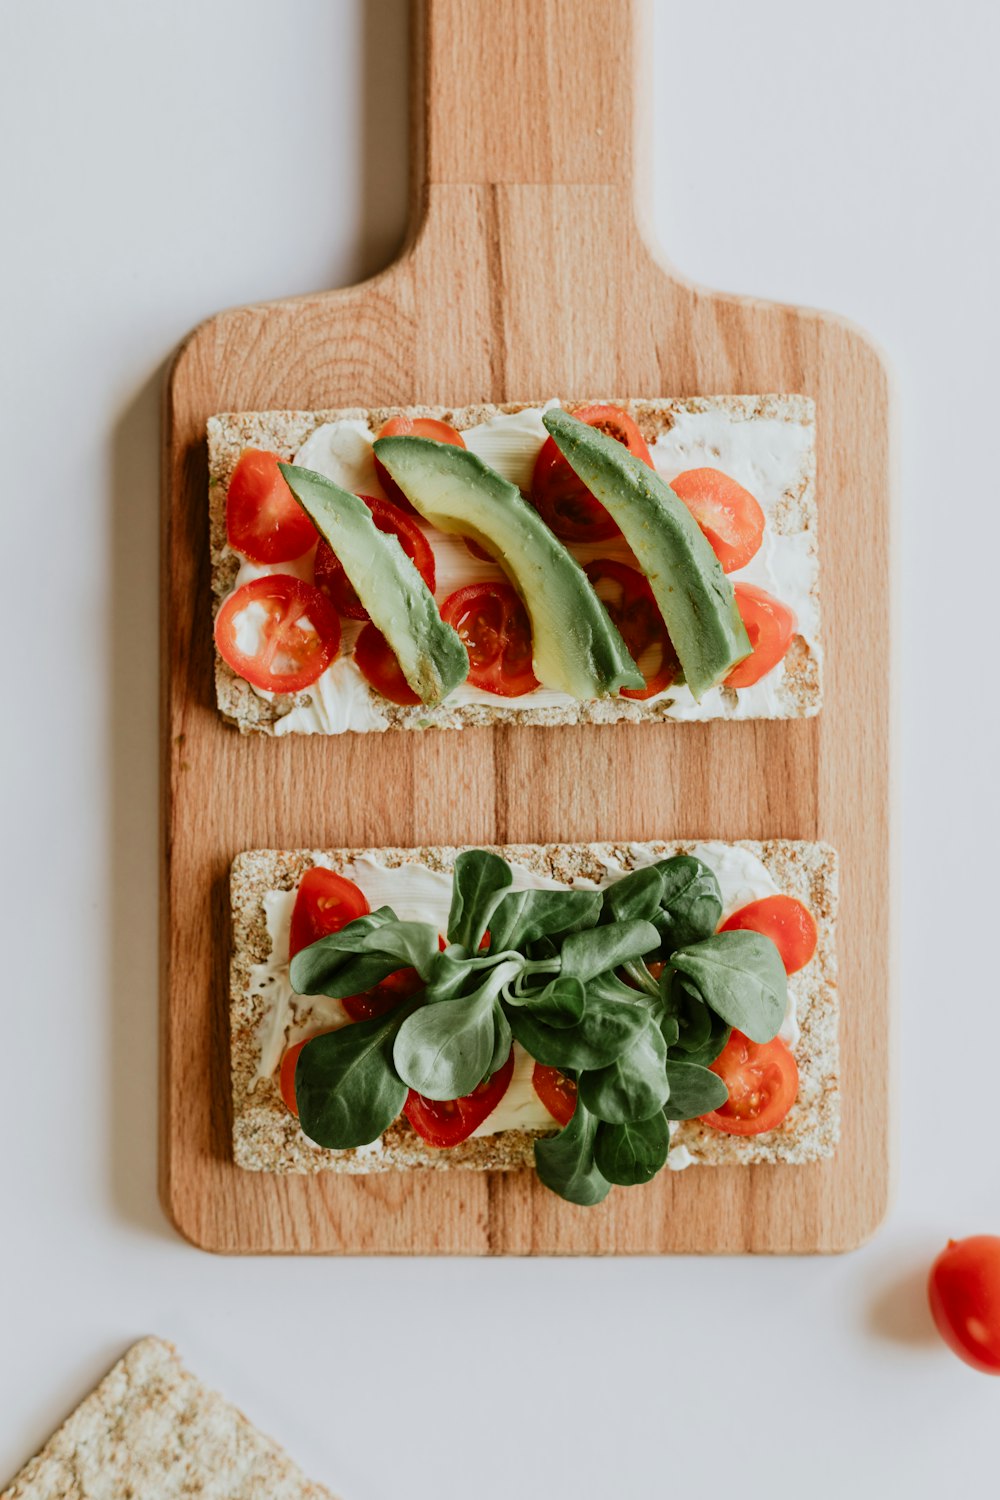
(764, 454)
(419, 894)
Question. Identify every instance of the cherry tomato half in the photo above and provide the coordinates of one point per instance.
(770, 626)
(386, 995)
(377, 663)
(964, 1293)
(495, 630)
(628, 599)
(449, 1121)
(785, 921)
(730, 517)
(562, 500)
(425, 427)
(334, 582)
(763, 1081)
(264, 520)
(325, 903)
(556, 1091)
(278, 632)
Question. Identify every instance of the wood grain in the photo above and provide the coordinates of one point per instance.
(525, 275)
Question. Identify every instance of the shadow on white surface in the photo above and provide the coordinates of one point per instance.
(899, 1311)
(133, 760)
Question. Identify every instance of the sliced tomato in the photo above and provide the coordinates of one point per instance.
(278, 632)
(556, 1091)
(770, 626)
(964, 1293)
(264, 520)
(449, 1121)
(286, 1073)
(386, 995)
(425, 427)
(495, 630)
(377, 663)
(785, 921)
(286, 1076)
(628, 599)
(728, 514)
(763, 1081)
(334, 582)
(562, 500)
(325, 902)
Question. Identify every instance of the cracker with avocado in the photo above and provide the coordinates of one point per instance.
(765, 442)
(266, 1137)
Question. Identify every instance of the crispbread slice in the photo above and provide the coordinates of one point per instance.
(797, 693)
(267, 1138)
(152, 1431)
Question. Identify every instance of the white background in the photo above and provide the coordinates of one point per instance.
(162, 161)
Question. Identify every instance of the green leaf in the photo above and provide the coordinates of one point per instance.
(525, 916)
(503, 1040)
(332, 966)
(692, 1017)
(634, 896)
(414, 944)
(561, 1003)
(740, 975)
(634, 1086)
(606, 1029)
(587, 954)
(694, 1091)
(450, 972)
(345, 1084)
(565, 1162)
(444, 1051)
(634, 1152)
(480, 881)
(709, 1051)
(691, 902)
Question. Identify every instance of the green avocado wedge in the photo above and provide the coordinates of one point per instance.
(430, 653)
(576, 648)
(694, 595)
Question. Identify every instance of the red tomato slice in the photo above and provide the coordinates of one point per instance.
(334, 582)
(556, 1091)
(770, 626)
(264, 520)
(964, 1293)
(495, 630)
(377, 662)
(447, 1122)
(325, 903)
(387, 995)
(785, 921)
(628, 599)
(286, 1076)
(425, 427)
(763, 1081)
(562, 500)
(278, 632)
(728, 514)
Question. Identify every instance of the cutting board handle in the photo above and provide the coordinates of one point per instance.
(523, 91)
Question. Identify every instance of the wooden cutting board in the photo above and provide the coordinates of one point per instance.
(524, 276)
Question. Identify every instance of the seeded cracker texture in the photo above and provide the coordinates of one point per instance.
(151, 1431)
(284, 432)
(266, 1138)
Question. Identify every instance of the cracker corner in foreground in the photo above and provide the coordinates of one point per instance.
(266, 1138)
(150, 1429)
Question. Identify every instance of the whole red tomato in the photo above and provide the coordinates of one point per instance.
(964, 1292)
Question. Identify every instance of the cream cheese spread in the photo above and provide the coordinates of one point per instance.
(419, 894)
(765, 454)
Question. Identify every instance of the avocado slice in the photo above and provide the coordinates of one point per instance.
(430, 653)
(576, 648)
(694, 595)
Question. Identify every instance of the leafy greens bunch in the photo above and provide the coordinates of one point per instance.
(565, 973)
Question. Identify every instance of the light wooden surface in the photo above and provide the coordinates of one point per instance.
(525, 275)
